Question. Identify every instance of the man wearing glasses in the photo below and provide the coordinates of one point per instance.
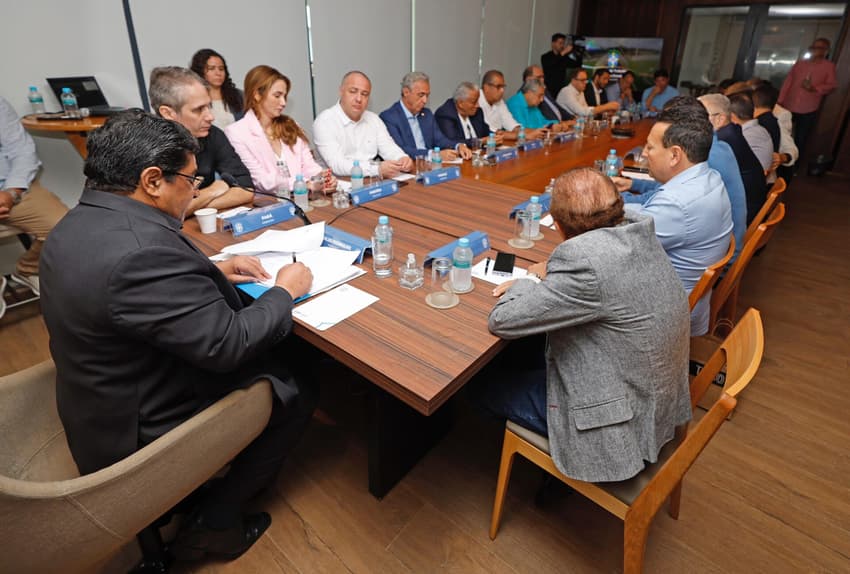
(496, 112)
(180, 95)
(572, 99)
(805, 86)
(146, 331)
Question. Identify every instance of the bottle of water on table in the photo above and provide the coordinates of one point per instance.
(462, 267)
(520, 137)
(356, 175)
(299, 192)
(69, 104)
(283, 170)
(36, 101)
(382, 247)
(436, 158)
(491, 143)
(612, 163)
(535, 210)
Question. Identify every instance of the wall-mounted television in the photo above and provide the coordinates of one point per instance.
(642, 56)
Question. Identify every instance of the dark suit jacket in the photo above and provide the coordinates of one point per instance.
(552, 111)
(449, 123)
(144, 329)
(752, 173)
(590, 96)
(217, 156)
(555, 70)
(399, 128)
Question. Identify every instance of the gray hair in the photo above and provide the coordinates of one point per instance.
(166, 86)
(716, 103)
(411, 78)
(464, 90)
(531, 85)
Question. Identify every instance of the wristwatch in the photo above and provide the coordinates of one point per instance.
(17, 196)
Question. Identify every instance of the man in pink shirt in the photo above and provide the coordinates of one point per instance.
(807, 83)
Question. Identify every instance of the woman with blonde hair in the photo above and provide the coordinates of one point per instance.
(272, 145)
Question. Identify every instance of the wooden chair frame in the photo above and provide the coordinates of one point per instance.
(776, 192)
(741, 353)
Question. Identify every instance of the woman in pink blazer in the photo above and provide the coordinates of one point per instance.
(266, 137)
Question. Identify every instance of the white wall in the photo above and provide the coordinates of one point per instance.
(90, 37)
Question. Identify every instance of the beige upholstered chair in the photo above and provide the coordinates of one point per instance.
(636, 501)
(52, 519)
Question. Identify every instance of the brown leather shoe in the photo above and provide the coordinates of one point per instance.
(195, 540)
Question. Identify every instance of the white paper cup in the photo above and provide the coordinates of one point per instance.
(207, 219)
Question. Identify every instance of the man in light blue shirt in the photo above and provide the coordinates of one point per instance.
(691, 209)
(654, 97)
(23, 202)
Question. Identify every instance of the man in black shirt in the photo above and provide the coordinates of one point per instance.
(180, 95)
(555, 63)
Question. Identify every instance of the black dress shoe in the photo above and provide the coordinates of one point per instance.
(197, 540)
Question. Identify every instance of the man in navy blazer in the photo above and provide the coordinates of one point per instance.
(460, 118)
(413, 126)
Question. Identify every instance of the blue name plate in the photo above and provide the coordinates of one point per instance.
(440, 175)
(373, 192)
(564, 136)
(260, 217)
(503, 155)
(479, 242)
(531, 144)
(340, 239)
(545, 202)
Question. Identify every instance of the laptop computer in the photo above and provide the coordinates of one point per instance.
(88, 94)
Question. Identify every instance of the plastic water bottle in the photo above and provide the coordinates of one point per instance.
(462, 266)
(299, 193)
(283, 170)
(69, 103)
(535, 210)
(520, 137)
(579, 127)
(382, 248)
(356, 175)
(36, 101)
(612, 163)
(491, 143)
(436, 158)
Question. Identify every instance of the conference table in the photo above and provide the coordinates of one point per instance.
(415, 356)
(75, 130)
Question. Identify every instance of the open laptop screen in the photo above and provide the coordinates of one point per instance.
(84, 87)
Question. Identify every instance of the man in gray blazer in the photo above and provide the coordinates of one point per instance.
(616, 316)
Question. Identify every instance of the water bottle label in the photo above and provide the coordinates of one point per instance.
(461, 264)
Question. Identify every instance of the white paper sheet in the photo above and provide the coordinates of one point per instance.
(636, 175)
(274, 240)
(495, 278)
(232, 212)
(334, 306)
(548, 221)
(329, 266)
(457, 161)
(405, 176)
(343, 185)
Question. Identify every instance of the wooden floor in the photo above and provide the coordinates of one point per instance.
(770, 494)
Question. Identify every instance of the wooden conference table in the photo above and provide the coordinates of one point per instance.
(418, 357)
(75, 130)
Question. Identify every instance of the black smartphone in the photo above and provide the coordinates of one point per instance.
(504, 264)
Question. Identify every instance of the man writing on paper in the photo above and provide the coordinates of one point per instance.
(180, 95)
(146, 331)
(615, 382)
(412, 125)
(348, 131)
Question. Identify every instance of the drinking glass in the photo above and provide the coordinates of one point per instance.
(440, 294)
(522, 231)
(375, 165)
(318, 197)
(421, 163)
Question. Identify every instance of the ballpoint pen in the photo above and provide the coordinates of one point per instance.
(487, 266)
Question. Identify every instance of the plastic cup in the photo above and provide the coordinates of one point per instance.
(207, 219)
(440, 294)
(522, 231)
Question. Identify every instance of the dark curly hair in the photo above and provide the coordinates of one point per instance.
(229, 93)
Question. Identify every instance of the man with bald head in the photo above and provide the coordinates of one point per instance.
(348, 131)
(607, 401)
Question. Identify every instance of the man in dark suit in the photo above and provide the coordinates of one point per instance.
(594, 92)
(413, 126)
(752, 173)
(146, 331)
(460, 117)
(550, 108)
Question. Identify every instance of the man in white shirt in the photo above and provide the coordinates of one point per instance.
(496, 112)
(572, 99)
(741, 108)
(348, 131)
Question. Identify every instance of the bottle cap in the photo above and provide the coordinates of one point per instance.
(535, 199)
(357, 162)
(66, 90)
(463, 242)
(437, 148)
(383, 219)
(33, 89)
(613, 151)
(299, 177)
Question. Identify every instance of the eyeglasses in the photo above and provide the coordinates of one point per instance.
(196, 180)
(581, 79)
